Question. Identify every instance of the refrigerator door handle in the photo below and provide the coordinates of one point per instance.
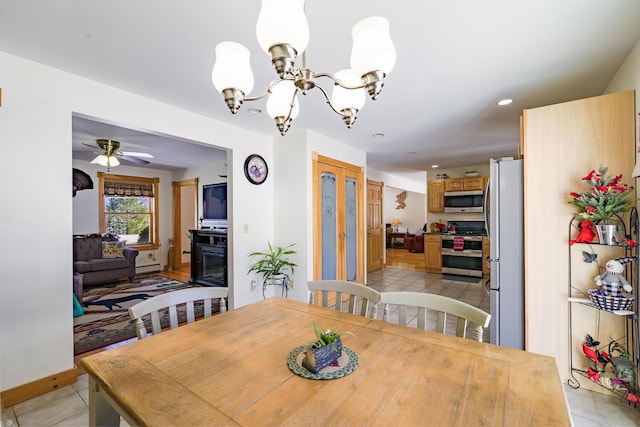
(485, 208)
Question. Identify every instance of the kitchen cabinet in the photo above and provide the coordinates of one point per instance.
(486, 253)
(465, 184)
(435, 189)
(433, 253)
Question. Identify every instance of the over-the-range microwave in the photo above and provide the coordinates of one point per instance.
(463, 201)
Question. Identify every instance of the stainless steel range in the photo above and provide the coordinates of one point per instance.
(462, 248)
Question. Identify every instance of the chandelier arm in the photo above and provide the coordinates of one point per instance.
(338, 82)
(326, 97)
(267, 91)
(292, 103)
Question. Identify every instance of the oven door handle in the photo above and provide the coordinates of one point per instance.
(466, 253)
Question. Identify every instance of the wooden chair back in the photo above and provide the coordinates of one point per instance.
(343, 289)
(171, 300)
(443, 306)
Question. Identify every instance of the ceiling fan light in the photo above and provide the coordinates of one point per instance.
(282, 22)
(342, 98)
(102, 160)
(232, 69)
(372, 49)
(112, 162)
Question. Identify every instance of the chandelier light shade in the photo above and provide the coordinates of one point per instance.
(282, 22)
(282, 105)
(232, 73)
(283, 33)
(348, 101)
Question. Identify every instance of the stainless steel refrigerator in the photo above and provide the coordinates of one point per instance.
(504, 217)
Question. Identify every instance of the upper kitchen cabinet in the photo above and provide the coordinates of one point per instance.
(464, 184)
(435, 191)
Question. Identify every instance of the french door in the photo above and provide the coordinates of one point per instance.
(338, 220)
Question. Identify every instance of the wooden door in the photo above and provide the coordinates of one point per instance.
(375, 227)
(338, 200)
(185, 212)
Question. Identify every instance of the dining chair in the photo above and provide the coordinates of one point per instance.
(442, 306)
(369, 297)
(170, 300)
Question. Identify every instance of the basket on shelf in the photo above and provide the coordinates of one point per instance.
(608, 302)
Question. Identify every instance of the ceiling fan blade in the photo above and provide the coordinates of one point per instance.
(136, 154)
(91, 146)
(134, 160)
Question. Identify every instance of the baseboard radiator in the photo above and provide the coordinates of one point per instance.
(149, 268)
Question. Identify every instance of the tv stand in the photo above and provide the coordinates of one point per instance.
(208, 257)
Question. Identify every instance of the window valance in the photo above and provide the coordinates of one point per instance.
(120, 189)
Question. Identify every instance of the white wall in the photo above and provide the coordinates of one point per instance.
(400, 181)
(36, 251)
(412, 217)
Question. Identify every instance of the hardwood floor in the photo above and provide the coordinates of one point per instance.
(405, 260)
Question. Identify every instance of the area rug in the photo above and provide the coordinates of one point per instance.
(106, 317)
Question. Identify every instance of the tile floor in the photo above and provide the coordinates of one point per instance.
(69, 406)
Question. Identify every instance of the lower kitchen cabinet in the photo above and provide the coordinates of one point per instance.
(433, 253)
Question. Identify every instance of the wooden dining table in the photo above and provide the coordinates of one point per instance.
(232, 369)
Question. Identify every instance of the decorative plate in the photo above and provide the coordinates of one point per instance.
(347, 363)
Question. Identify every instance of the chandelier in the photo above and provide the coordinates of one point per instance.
(283, 33)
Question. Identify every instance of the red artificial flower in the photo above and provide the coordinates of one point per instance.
(588, 177)
(590, 209)
(603, 189)
(574, 194)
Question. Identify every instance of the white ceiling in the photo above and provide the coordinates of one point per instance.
(456, 58)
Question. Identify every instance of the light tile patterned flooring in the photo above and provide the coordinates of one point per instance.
(69, 406)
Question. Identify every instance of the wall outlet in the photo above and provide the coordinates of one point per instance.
(253, 285)
(291, 284)
(150, 255)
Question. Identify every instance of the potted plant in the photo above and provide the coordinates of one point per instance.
(472, 173)
(324, 351)
(273, 263)
(606, 198)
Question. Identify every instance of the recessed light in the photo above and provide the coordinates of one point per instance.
(434, 166)
(505, 101)
(254, 111)
(378, 135)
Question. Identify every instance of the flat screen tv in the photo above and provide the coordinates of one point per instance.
(214, 202)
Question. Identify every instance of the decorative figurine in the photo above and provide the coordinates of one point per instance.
(612, 281)
(586, 234)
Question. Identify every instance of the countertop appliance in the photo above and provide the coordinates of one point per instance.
(464, 201)
(462, 249)
(505, 217)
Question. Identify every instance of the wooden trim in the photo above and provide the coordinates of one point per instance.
(39, 387)
(339, 163)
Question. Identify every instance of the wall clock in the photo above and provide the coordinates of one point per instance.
(256, 169)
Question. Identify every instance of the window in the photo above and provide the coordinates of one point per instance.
(129, 208)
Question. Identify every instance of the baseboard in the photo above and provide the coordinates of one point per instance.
(36, 388)
(149, 268)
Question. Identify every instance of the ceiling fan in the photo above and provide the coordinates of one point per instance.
(108, 154)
